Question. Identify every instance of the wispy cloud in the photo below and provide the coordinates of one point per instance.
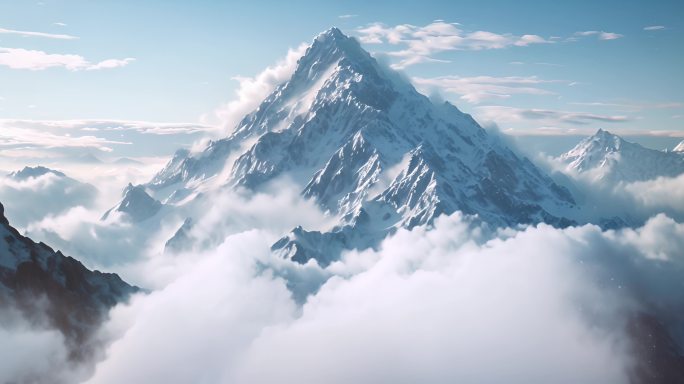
(422, 42)
(654, 28)
(93, 125)
(25, 138)
(43, 139)
(632, 106)
(19, 58)
(601, 35)
(59, 24)
(545, 117)
(37, 34)
(347, 16)
(480, 88)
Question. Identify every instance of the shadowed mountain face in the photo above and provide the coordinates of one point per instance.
(362, 142)
(47, 286)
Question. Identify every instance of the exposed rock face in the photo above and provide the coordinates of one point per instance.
(48, 286)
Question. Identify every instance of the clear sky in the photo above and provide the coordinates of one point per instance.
(530, 66)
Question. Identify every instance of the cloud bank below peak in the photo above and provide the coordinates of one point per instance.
(473, 300)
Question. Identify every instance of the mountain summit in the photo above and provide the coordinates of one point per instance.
(368, 147)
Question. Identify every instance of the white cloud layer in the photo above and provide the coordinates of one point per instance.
(16, 137)
(603, 198)
(438, 304)
(433, 305)
(26, 354)
(35, 60)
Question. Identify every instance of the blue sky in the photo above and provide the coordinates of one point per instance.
(532, 67)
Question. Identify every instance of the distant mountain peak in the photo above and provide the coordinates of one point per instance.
(28, 172)
(137, 204)
(610, 157)
(607, 139)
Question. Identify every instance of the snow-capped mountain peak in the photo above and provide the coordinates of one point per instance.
(362, 142)
(609, 157)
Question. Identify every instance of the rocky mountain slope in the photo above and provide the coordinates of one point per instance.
(46, 285)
